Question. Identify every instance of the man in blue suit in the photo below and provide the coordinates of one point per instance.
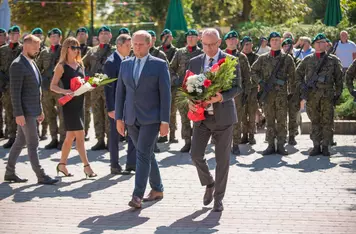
(111, 69)
(143, 100)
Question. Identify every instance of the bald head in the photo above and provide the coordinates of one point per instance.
(211, 41)
(31, 46)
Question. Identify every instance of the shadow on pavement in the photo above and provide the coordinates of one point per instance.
(265, 162)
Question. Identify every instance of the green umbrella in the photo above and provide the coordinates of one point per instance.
(175, 20)
(333, 13)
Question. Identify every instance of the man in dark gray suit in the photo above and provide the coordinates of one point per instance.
(220, 118)
(143, 99)
(25, 91)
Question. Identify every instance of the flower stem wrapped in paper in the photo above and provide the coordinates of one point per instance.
(80, 86)
(200, 88)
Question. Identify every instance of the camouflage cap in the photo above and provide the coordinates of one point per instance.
(152, 33)
(245, 39)
(231, 34)
(104, 28)
(320, 36)
(2, 30)
(37, 31)
(124, 31)
(82, 29)
(287, 41)
(191, 32)
(54, 31)
(14, 28)
(165, 32)
(274, 35)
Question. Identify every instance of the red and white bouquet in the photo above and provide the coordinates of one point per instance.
(80, 86)
(199, 88)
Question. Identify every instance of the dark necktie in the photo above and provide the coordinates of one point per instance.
(211, 61)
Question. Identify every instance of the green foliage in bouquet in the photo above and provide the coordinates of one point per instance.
(347, 108)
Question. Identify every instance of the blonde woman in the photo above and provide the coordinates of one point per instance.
(70, 65)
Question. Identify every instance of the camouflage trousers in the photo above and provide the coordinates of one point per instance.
(320, 110)
(87, 118)
(9, 117)
(293, 113)
(183, 111)
(238, 126)
(1, 114)
(276, 108)
(53, 111)
(100, 116)
(249, 113)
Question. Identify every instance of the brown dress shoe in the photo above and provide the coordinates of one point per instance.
(135, 202)
(208, 196)
(153, 195)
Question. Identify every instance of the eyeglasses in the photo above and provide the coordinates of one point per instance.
(211, 45)
(75, 47)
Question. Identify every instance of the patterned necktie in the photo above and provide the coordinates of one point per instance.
(137, 71)
(211, 61)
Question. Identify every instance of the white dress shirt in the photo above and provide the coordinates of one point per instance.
(34, 68)
(121, 57)
(207, 60)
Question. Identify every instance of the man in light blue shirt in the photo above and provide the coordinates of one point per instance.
(305, 42)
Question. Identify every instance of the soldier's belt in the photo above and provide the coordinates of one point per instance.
(324, 86)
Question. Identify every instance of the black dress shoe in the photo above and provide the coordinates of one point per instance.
(9, 144)
(162, 139)
(116, 170)
(235, 150)
(47, 180)
(100, 145)
(14, 178)
(43, 138)
(52, 145)
(218, 206)
(208, 196)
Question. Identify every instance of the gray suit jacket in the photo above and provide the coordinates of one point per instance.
(224, 112)
(25, 90)
(149, 102)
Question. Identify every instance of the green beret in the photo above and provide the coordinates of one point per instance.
(287, 41)
(82, 29)
(54, 31)
(152, 33)
(37, 31)
(104, 28)
(191, 32)
(14, 28)
(166, 32)
(2, 30)
(245, 39)
(124, 31)
(273, 35)
(328, 40)
(231, 34)
(264, 38)
(320, 36)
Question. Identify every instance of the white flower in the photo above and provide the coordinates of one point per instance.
(190, 89)
(199, 90)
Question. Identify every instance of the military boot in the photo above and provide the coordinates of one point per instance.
(52, 145)
(162, 139)
(291, 140)
(172, 137)
(315, 151)
(244, 139)
(325, 151)
(100, 145)
(281, 150)
(235, 150)
(186, 147)
(271, 149)
(9, 144)
(251, 139)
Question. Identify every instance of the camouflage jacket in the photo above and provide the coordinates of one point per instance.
(84, 49)
(47, 60)
(170, 52)
(262, 69)
(95, 59)
(179, 64)
(252, 57)
(351, 76)
(158, 54)
(7, 56)
(330, 74)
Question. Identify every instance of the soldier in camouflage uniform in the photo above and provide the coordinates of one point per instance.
(82, 37)
(7, 54)
(320, 101)
(154, 51)
(94, 61)
(231, 39)
(350, 77)
(3, 36)
(276, 103)
(293, 100)
(38, 32)
(250, 108)
(46, 62)
(178, 67)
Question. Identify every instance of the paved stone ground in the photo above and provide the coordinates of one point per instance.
(293, 194)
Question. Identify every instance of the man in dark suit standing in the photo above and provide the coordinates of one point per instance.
(143, 100)
(220, 118)
(111, 69)
(25, 91)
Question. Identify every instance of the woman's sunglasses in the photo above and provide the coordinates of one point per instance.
(75, 47)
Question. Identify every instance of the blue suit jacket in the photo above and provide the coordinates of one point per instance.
(111, 69)
(149, 101)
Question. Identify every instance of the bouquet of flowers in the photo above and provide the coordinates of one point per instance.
(199, 88)
(80, 86)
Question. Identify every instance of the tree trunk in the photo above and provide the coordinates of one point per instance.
(246, 10)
